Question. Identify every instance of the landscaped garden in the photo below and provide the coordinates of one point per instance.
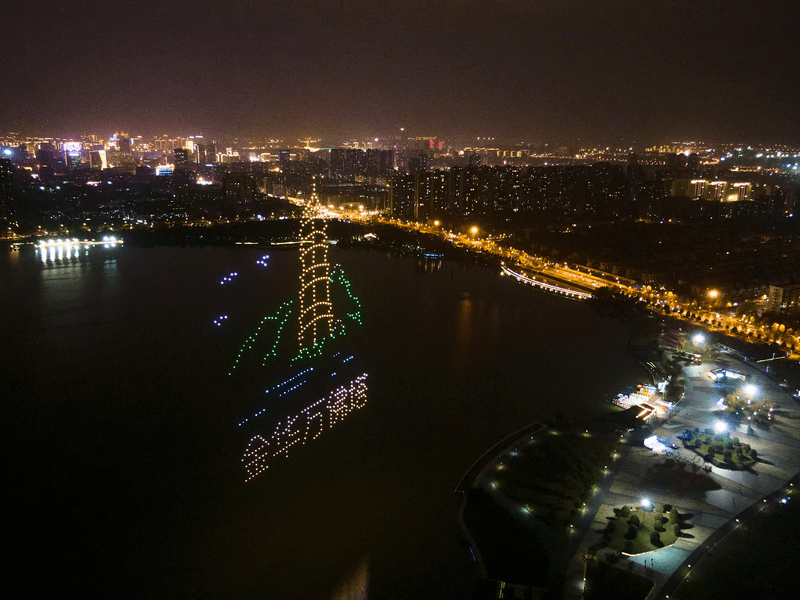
(720, 448)
(649, 528)
(745, 408)
(554, 477)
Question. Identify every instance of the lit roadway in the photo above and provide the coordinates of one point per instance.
(579, 278)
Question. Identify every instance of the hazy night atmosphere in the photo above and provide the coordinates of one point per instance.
(541, 70)
(354, 300)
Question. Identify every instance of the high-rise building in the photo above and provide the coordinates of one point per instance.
(72, 154)
(784, 299)
(347, 162)
(418, 163)
(181, 158)
(98, 160)
(379, 163)
(6, 208)
(238, 188)
(404, 195)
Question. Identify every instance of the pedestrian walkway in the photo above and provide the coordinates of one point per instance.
(713, 513)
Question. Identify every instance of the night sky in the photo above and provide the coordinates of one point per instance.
(537, 70)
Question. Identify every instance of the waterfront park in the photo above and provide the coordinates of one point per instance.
(634, 510)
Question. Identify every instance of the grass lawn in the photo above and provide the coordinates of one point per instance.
(554, 476)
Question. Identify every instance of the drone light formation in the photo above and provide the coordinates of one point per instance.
(307, 425)
(316, 312)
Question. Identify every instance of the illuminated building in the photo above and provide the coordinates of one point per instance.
(784, 298)
(238, 188)
(379, 163)
(404, 195)
(697, 188)
(124, 145)
(742, 191)
(347, 162)
(418, 163)
(181, 158)
(72, 154)
(97, 159)
(211, 152)
(5, 192)
(45, 156)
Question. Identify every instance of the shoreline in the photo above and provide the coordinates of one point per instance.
(667, 583)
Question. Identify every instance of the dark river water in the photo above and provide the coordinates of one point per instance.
(125, 460)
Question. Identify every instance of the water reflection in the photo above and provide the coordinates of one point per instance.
(464, 329)
(428, 264)
(67, 253)
(355, 588)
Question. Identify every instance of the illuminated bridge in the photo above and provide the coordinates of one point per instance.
(570, 293)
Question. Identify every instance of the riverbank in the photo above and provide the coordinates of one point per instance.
(714, 508)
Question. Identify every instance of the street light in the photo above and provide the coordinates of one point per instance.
(713, 294)
(474, 231)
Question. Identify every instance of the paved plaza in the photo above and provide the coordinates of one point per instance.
(712, 511)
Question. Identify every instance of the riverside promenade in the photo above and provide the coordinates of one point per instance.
(713, 513)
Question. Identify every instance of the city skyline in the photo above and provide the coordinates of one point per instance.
(550, 71)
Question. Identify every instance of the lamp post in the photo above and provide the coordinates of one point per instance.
(714, 296)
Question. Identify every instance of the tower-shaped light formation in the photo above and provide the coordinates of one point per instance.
(315, 311)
